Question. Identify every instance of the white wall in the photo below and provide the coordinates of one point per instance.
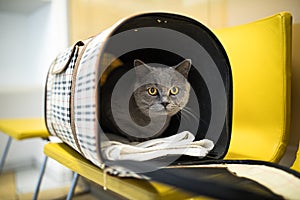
(29, 43)
(13, 39)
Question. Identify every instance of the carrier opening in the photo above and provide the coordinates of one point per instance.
(164, 40)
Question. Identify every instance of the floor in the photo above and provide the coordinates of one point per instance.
(20, 185)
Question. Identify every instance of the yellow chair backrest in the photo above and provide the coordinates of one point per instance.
(260, 57)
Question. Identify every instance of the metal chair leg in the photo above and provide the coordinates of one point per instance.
(4, 154)
(73, 186)
(42, 172)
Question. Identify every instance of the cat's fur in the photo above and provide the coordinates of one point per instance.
(159, 103)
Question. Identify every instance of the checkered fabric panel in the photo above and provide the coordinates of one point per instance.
(48, 102)
(58, 99)
(85, 101)
(62, 60)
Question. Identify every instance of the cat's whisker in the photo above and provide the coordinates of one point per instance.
(189, 117)
(190, 113)
(190, 110)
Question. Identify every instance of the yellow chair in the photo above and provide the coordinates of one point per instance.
(296, 165)
(259, 53)
(20, 129)
(260, 57)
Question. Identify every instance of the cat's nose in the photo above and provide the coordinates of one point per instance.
(165, 104)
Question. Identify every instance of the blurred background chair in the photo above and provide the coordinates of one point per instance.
(21, 129)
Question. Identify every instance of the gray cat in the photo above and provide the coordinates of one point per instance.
(160, 93)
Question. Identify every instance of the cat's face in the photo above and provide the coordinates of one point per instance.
(162, 90)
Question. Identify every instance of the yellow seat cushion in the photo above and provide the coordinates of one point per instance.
(260, 57)
(20, 129)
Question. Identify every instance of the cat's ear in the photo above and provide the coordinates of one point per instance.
(141, 68)
(138, 62)
(184, 67)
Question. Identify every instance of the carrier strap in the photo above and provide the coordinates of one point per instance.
(214, 187)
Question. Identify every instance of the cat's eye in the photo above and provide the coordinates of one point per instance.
(174, 90)
(152, 91)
